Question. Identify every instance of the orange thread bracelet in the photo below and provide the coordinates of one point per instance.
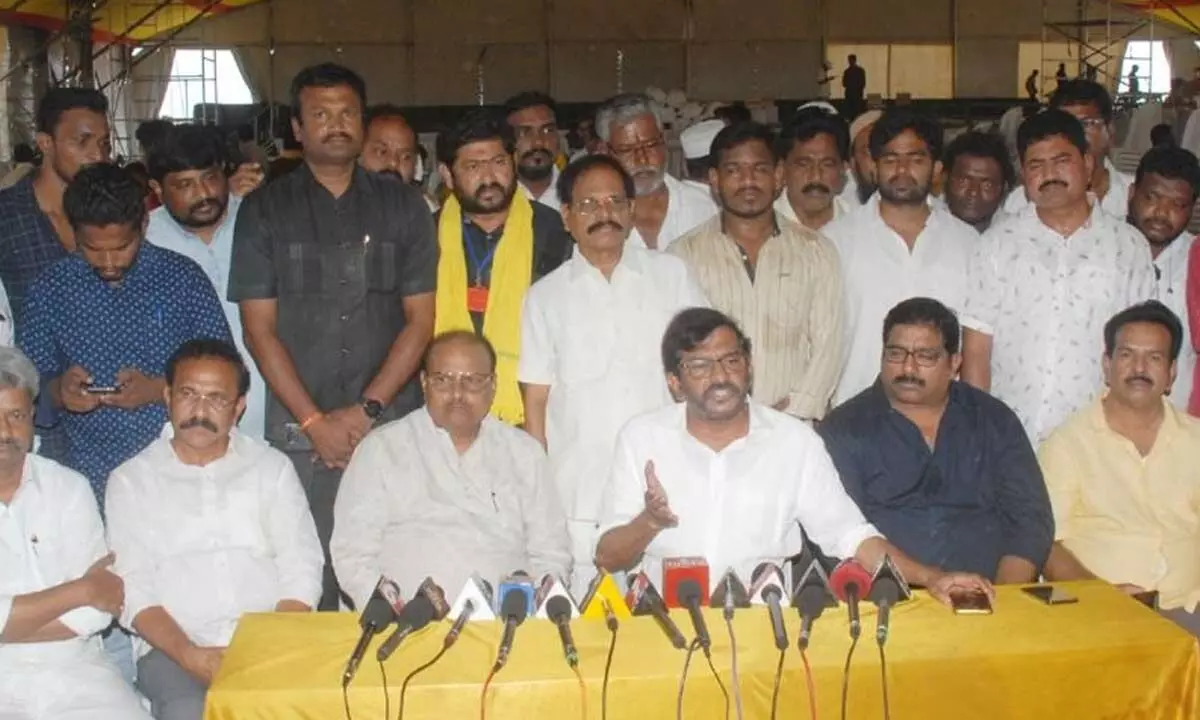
(304, 426)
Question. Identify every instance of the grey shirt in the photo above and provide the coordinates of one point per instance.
(339, 268)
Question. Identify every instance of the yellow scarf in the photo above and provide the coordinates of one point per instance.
(512, 269)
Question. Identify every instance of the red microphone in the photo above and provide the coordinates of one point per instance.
(851, 582)
(676, 571)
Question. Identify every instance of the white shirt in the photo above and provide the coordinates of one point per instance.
(687, 207)
(784, 207)
(598, 344)
(1171, 272)
(6, 319)
(738, 507)
(210, 543)
(1044, 299)
(214, 259)
(849, 194)
(410, 507)
(880, 271)
(1115, 202)
(549, 197)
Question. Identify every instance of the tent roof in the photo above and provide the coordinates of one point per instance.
(118, 20)
(1183, 13)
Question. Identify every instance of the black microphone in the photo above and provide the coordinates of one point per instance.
(427, 605)
(767, 584)
(377, 614)
(812, 596)
(559, 610)
(851, 582)
(514, 607)
(689, 595)
(888, 587)
(646, 600)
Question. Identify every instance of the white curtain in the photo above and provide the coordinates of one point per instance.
(255, 64)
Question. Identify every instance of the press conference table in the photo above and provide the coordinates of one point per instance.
(1105, 657)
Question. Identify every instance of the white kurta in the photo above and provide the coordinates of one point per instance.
(50, 534)
(749, 503)
(1171, 272)
(880, 271)
(410, 507)
(597, 344)
(687, 207)
(210, 543)
(1044, 299)
(549, 198)
(1115, 202)
(214, 260)
(840, 208)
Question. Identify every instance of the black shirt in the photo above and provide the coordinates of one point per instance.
(551, 248)
(339, 268)
(854, 80)
(977, 496)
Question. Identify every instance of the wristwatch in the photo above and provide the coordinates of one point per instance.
(373, 408)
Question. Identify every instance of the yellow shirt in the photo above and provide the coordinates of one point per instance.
(1128, 518)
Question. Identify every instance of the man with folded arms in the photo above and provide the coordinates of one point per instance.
(56, 590)
(208, 524)
(1123, 476)
(449, 490)
(724, 477)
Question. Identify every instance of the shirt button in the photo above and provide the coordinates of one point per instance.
(345, 351)
(345, 318)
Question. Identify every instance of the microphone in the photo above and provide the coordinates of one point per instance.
(644, 599)
(464, 616)
(690, 595)
(766, 588)
(378, 613)
(552, 587)
(730, 593)
(888, 587)
(850, 582)
(812, 596)
(676, 570)
(514, 608)
(610, 618)
(427, 605)
(478, 593)
(519, 581)
(559, 609)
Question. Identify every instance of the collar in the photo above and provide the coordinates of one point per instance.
(878, 403)
(360, 180)
(632, 260)
(168, 434)
(425, 421)
(762, 420)
(1171, 424)
(1176, 252)
(231, 212)
(30, 480)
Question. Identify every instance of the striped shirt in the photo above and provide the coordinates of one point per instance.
(791, 309)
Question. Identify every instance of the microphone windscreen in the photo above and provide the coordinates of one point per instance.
(558, 608)
(689, 592)
(849, 573)
(380, 608)
(418, 613)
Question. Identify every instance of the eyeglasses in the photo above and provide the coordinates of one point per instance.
(647, 147)
(925, 357)
(470, 382)
(592, 206)
(216, 401)
(698, 368)
(1093, 123)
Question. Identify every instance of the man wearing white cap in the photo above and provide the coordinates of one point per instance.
(697, 146)
(664, 208)
(815, 150)
(861, 185)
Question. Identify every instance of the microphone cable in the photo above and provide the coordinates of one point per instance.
(687, 661)
(612, 646)
(708, 657)
(408, 678)
(812, 690)
(346, 701)
(582, 692)
(387, 697)
(737, 686)
(846, 675)
(887, 711)
(775, 688)
(483, 695)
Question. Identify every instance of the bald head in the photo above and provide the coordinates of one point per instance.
(459, 348)
(390, 146)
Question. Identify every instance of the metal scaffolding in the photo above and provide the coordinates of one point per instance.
(1095, 40)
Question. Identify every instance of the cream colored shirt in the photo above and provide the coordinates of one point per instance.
(1128, 518)
(791, 310)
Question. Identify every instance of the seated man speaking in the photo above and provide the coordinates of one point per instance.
(723, 477)
(208, 524)
(944, 470)
(448, 490)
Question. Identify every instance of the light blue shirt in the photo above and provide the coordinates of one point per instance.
(214, 259)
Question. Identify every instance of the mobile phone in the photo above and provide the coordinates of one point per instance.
(101, 389)
(970, 603)
(1050, 595)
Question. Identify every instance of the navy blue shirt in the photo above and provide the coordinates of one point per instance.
(977, 496)
(75, 318)
(28, 244)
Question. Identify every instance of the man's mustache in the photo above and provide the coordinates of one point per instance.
(601, 224)
(201, 423)
(204, 204)
(336, 135)
(909, 380)
(1048, 183)
(816, 187)
(10, 443)
(1138, 378)
(538, 152)
(714, 389)
(489, 186)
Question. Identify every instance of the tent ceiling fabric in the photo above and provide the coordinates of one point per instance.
(120, 20)
(1183, 13)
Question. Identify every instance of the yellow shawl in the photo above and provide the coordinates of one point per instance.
(512, 269)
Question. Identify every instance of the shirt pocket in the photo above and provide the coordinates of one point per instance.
(301, 271)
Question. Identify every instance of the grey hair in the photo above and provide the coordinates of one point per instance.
(16, 371)
(621, 109)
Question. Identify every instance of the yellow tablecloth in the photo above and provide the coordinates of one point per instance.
(1105, 657)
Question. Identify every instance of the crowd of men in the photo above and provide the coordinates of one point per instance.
(264, 399)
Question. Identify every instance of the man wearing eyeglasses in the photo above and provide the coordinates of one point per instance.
(207, 524)
(944, 470)
(590, 333)
(726, 478)
(632, 130)
(449, 490)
